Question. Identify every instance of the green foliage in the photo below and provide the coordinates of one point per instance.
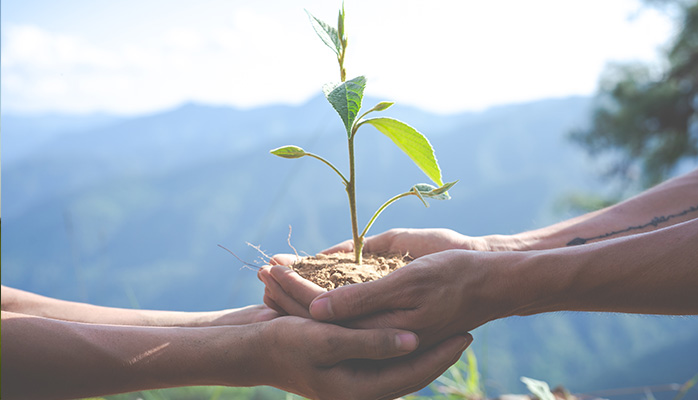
(346, 98)
(432, 192)
(646, 121)
(468, 386)
(289, 152)
(413, 143)
(460, 382)
(328, 34)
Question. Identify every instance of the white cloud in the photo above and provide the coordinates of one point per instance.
(439, 55)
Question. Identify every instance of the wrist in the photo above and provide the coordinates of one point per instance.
(539, 239)
(492, 284)
(230, 356)
(503, 284)
(545, 280)
(518, 242)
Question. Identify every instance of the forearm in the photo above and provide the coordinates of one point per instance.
(22, 302)
(47, 358)
(667, 204)
(649, 273)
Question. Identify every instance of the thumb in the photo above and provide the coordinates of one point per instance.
(357, 300)
(374, 344)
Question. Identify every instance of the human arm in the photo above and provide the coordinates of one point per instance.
(52, 359)
(458, 290)
(23, 302)
(669, 203)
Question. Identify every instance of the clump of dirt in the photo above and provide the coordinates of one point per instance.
(335, 270)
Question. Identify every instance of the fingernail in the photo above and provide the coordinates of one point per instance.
(321, 309)
(406, 341)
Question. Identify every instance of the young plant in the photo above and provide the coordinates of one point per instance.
(346, 98)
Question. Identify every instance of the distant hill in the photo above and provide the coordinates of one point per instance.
(128, 212)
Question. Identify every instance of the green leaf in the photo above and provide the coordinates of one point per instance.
(473, 382)
(340, 24)
(444, 189)
(327, 33)
(413, 143)
(382, 106)
(432, 192)
(289, 152)
(346, 99)
(417, 189)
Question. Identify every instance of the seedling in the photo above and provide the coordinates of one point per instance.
(346, 98)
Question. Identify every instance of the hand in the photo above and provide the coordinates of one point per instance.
(415, 242)
(302, 290)
(435, 296)
(326, 361)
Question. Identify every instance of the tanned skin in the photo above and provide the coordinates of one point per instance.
(639, 256)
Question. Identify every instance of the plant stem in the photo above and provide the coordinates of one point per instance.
(329, 164)
(380, 210)
(340, 59)
(342, 71)
(351, 192)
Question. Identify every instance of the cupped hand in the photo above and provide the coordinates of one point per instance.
(300, 291)
(326, 361)
(415, 242)
(435, 296)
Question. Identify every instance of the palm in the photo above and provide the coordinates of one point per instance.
(420, 242)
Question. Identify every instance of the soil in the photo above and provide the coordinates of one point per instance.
(335, 270)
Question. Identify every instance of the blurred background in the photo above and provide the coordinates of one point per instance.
(135, 139)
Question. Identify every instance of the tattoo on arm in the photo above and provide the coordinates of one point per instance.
(656, 221)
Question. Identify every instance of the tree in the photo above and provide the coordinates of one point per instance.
(647, 121)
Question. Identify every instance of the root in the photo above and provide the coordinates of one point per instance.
(289, 242)
(248, 265)
(264, 257)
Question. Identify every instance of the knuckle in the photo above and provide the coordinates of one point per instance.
(333, 344)
(379, 345)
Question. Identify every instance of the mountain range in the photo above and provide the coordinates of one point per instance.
(128, 212)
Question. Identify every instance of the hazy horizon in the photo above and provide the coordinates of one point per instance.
(132, 57)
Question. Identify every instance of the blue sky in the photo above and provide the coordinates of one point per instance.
(139, 56)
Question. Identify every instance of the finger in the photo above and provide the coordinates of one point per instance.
(266, 314)
(417, 372)
(265, 276)
(300, 289)
(374, 344)
(262, 271)
(269, 302)
(346, 246)
(247, 315)
(284, 259)
(357, 300)
(281, 299)
(383, 242)
(398, 319)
